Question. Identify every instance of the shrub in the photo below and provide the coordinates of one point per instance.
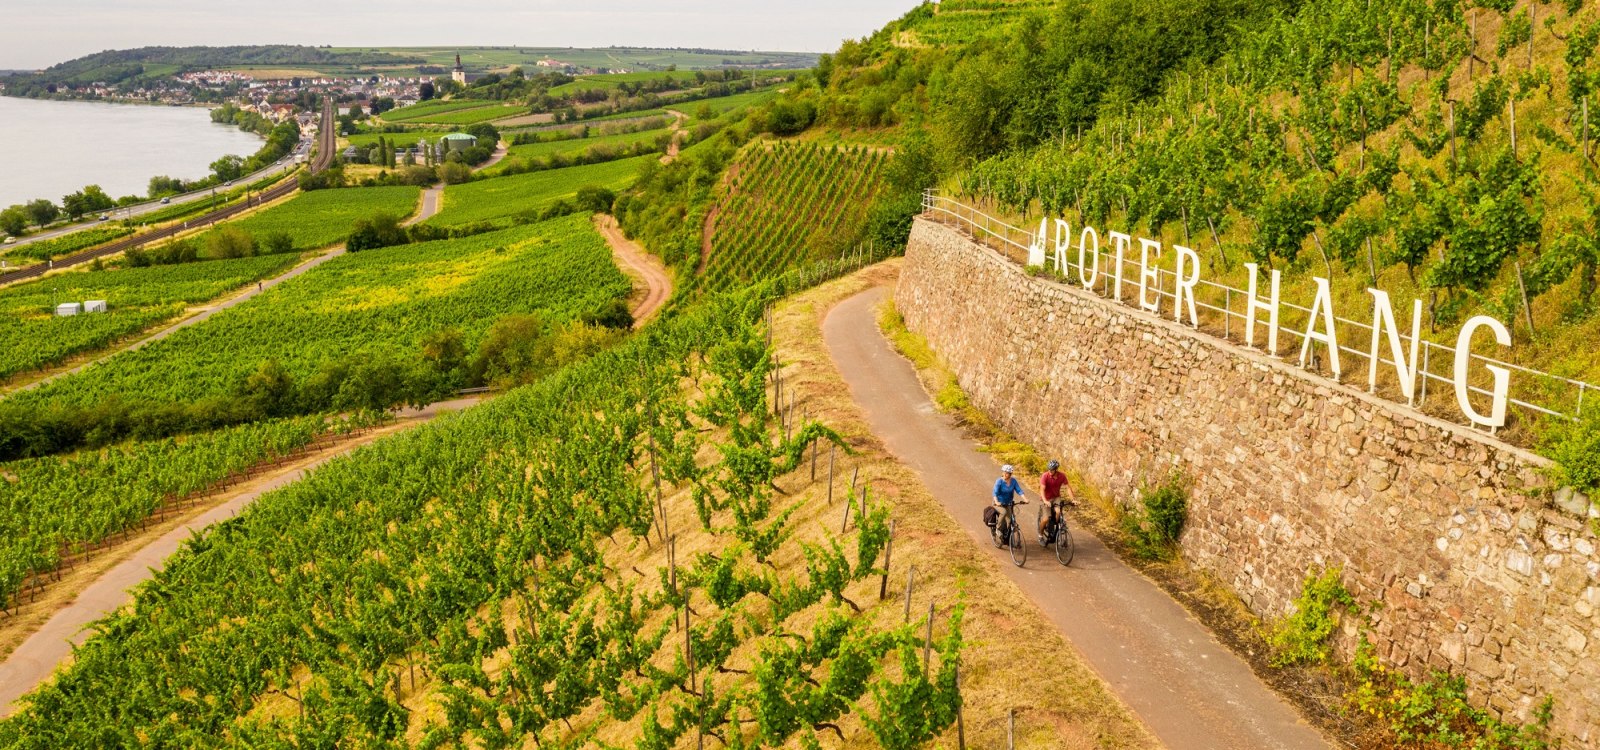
(1302, 638)
(1575, 449)
(1154, 527)
(1435, 712)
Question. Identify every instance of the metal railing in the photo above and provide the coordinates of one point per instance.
(1532, 391)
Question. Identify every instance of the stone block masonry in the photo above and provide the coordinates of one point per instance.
(1479, 572)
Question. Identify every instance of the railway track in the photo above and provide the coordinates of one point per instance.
(326, 135)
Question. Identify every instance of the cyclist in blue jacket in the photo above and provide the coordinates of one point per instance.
(1006, 488)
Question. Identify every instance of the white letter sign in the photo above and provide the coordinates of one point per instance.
(1405, 364)
(1036, 248)
(1330, 337)
(1184, 294)
(1088, 272)
(1063, 243)
(1502, 376)
(1149, 275)
(1120, 242)
(1254, 303)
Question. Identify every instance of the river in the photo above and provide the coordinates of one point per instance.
(56, 147)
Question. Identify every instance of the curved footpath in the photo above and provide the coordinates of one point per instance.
(1187, 687)
(38, 656)
(645, 270)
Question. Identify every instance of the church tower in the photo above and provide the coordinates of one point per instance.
(459, 74)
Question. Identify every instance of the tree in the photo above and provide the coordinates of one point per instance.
(454, 172)
(425, 91)
(96, 199)
(41, 211)
(161, 185)
(486, 134)
(277, 242)
(595, 198)
(228, 168)
(380, 230)
(13, 221)
(230, 242)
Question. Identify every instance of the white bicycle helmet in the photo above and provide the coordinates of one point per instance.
(1007, 469)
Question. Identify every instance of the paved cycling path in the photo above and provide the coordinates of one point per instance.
(36, 659)
(1187, 687)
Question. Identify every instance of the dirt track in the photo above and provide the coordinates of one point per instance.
(1187, 687)
(652, 283)
(49, 646)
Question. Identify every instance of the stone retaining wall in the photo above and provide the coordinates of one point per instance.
(1477, 572)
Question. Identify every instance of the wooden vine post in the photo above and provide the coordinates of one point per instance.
(888, 550)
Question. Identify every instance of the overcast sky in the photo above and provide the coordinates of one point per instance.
(40, 33)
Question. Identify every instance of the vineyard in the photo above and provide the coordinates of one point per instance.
(407, 139)
(54, 248)
(429, 109)
(957, 23)
(52, 509)
(503, 199)
(1432, 150)
(136, 298)
(596, 560)
(371, 306)
(320, 218)
(786, 204)
(470, 116)
(572, 146)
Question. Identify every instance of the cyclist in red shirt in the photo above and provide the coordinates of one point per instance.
(1050, 485)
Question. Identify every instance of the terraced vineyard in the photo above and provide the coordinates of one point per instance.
(320, 218)
(572, 147)
(956, 23)
(368, 305)
(786, 204)
(53, 508)
(501, 577)
(136, 298)
(503, 199)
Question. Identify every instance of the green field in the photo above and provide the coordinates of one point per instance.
(572, 146)
(323, 217)
(136, 298)
(726, 104)
(611, 81)
(430, 108)
(610, 57)
(501, 198)
(400, 140)
(43, 250)
(367, 304)
(56, 506)
(471, 116)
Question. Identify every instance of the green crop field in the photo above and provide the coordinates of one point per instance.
(607, 57)
(501, 198)
(725, 104)
(430, 108)
(55, 506)
(67, 244)
(611, 81)
(471, 116)
(323, 217)
(136, 298)
(571, 146)
(400, 140)
(370, 303)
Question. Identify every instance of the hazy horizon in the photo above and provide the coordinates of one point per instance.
(41, 33)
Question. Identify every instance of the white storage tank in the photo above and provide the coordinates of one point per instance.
(68, 308)
(94, 306)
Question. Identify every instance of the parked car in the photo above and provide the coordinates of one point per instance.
(10, 241)
(165, 201)
(104, 217)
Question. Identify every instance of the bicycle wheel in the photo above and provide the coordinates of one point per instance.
(1064, 547)
(1019, 547)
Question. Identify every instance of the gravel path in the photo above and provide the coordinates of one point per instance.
(1186, 686)
(644, 268)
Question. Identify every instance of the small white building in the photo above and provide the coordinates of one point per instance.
(94, 306)
(68, 309)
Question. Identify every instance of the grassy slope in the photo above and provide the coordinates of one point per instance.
(502, 198)
(323, 217)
